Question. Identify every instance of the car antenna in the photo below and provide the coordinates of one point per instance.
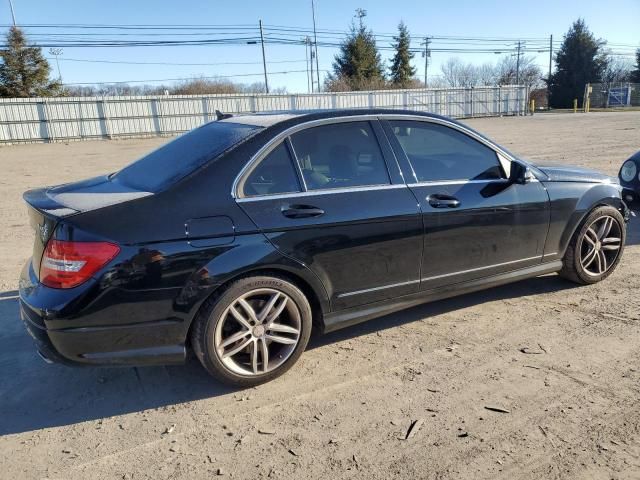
(222, 116)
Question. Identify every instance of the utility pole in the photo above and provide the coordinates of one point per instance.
(360, 14)
(550, 58)
(55, 52)
(13, 14)
(315, 41)
(550, 65)
(311, 61)
(426, 54)
(307, 41)
(518, 63)
(264, 60)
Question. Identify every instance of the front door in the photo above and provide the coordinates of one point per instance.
(476, 222)
(326, 197)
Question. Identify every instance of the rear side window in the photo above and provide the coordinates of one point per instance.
(438, 153)
(176, 159)
(340, 155)
(274, 174)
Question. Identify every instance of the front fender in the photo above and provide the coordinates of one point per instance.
(571, 202)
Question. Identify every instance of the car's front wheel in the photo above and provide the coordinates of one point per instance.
(253, 331)
(596, 248)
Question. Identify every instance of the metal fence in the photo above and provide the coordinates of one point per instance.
(77, 118)
(612, 95)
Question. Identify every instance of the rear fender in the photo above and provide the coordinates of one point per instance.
(249, 253)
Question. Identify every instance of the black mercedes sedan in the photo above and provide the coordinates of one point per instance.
(241, 236)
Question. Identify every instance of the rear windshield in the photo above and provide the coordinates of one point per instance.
(178, 158)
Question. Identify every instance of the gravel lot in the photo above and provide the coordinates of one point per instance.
(573, 408)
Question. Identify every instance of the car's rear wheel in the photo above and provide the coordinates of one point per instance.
(253, 331)
(596, 248)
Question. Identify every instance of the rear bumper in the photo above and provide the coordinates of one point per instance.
(41, 339)
(143, 343)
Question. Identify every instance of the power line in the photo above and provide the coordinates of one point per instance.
(174, 63)
(211, 28)
(213, 77)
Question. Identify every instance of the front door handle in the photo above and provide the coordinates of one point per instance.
(439, 200)
(301, 211)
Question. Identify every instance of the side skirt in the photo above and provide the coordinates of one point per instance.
(345, 318)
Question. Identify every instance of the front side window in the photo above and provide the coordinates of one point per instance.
(438, 153)
(274, 174)
(340, 155)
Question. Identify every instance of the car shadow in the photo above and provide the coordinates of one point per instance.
(530, 287)
(36, 395)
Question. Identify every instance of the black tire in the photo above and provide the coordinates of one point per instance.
(572, 268)
(203, 331)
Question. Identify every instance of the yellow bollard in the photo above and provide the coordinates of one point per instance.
(532, 106)
(575, 105)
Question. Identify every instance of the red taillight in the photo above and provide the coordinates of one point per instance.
(68, 264)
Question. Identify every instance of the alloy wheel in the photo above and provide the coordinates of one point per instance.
(258, 332)
(600, 245)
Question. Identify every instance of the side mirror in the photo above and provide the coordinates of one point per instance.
(520, 174)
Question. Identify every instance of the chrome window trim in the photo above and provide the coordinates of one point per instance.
(503, 161)
(375, 289)
(272, 143)
(435, 277)
(463, 182)
(456, 182)
(267, 147)
(448, 123)
(311, 193)
(294, 163)
(265, 153)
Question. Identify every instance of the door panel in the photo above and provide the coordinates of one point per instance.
(365, 247)
(496, 227)
(476, 222)
(353, 224)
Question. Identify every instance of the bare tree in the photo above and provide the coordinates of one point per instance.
(459, 74)
(618, 70)
(456, 73)
(486, 74)
(507, 71)
(194, 86)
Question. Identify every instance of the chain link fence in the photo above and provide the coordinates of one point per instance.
(78, 118)
(612, 95)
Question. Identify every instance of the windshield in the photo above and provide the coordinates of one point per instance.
(178, 158)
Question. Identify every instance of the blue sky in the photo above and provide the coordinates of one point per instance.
(617, 22)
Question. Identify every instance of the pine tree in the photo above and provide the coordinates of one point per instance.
(401, 71)
(358, 65)
(24, 72)
(579, 61)
(635, 74)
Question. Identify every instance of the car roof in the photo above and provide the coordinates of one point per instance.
(270, 119)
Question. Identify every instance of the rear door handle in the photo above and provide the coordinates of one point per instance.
(439, 200)
(301, 211)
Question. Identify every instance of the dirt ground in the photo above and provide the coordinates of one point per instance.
(572, 403)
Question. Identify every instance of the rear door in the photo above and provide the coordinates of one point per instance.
(476, 222)
(331, 196)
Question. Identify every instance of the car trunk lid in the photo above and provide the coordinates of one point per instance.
(50, 205)
(44, 214)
